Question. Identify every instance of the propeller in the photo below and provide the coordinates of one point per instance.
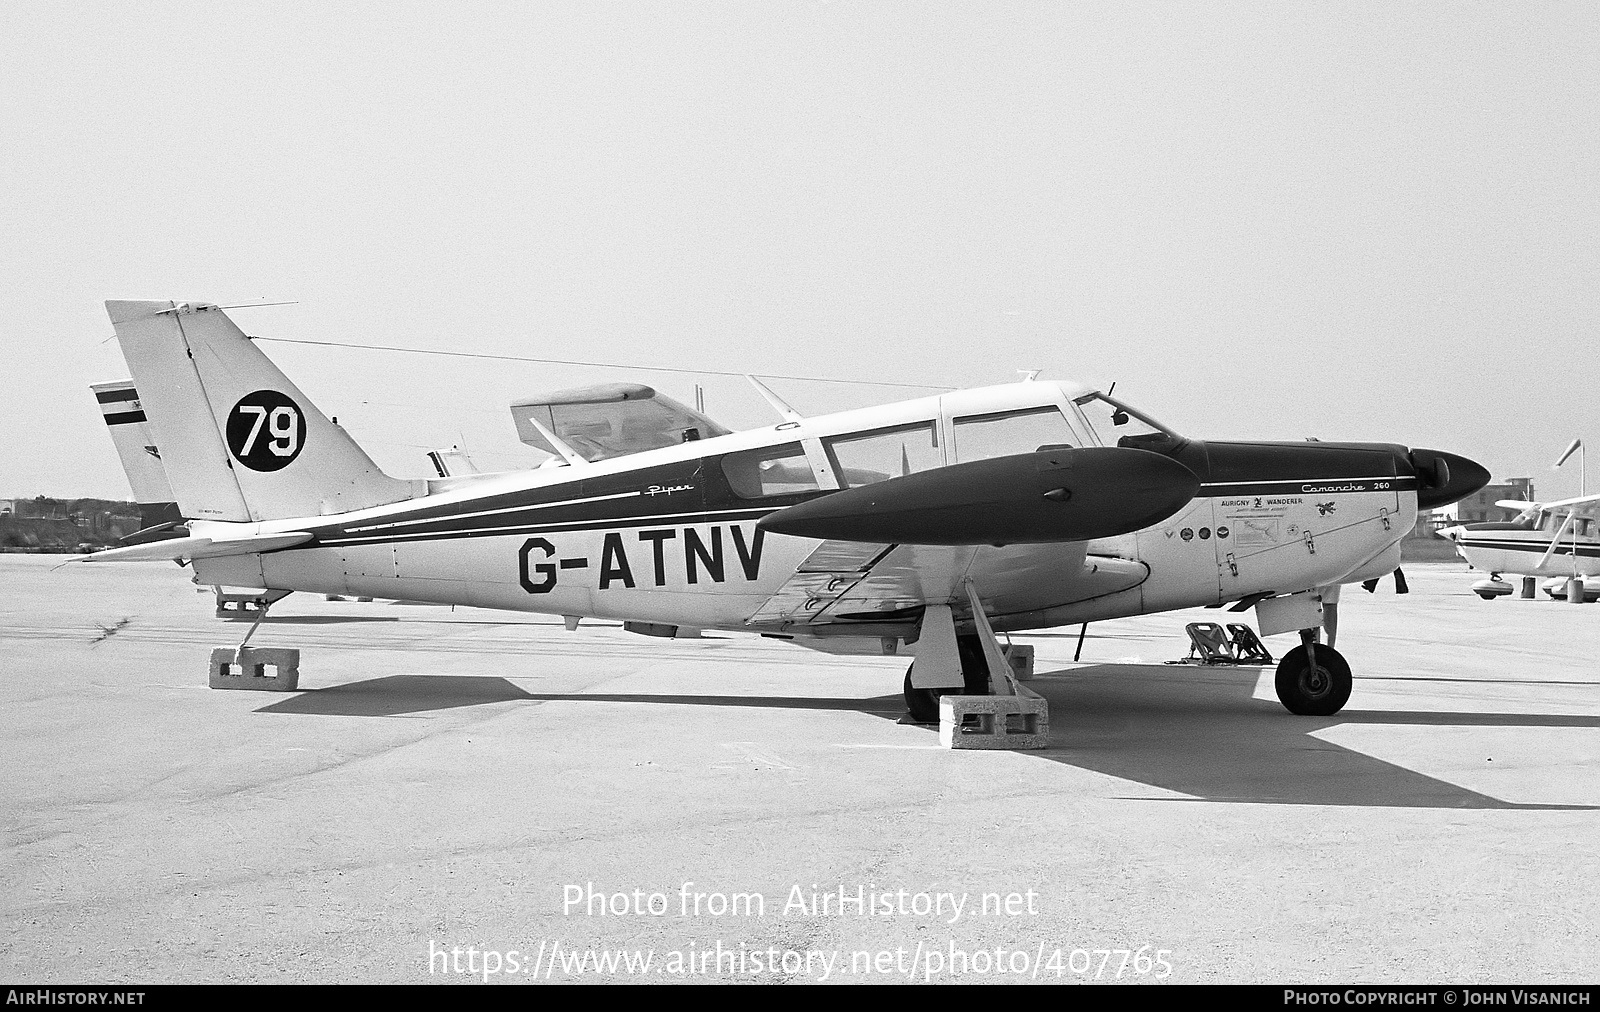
(1445, 477)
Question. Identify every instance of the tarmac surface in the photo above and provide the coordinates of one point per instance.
(467, 780)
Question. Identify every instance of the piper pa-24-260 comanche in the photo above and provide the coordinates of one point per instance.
(928, 524)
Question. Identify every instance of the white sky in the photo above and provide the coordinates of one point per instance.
(1356, 221)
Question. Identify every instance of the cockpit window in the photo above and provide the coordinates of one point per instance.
(887, 453)
(769, 471)
(979, 437)
(1116, 424)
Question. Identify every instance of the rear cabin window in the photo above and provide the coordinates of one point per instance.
(888, 453)
(979, 437)
(769, 471)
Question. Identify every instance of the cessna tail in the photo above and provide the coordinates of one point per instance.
(141, 458)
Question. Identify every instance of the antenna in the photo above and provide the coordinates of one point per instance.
(778, 403)
(570, 455)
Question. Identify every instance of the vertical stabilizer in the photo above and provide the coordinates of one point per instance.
(238, 440)
(139, 452)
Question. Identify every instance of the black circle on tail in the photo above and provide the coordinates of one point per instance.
(266, 430)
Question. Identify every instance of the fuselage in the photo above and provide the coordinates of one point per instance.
(1524, 547)
(670, 536)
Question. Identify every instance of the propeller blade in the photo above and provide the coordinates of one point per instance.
(1400, 586)
(1370, 586)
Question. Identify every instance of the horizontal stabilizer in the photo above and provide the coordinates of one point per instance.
(199, 548)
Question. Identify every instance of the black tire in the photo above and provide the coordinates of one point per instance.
(1487, 597)
(974, 668)
(922, 704)
(1319, 692)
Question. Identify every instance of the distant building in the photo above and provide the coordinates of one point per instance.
(1480, 506)
(1420, 545)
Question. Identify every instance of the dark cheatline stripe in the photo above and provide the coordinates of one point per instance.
(113, 396)
(124, 417)
(1564, 548)
(1310, 486)
(522, 527)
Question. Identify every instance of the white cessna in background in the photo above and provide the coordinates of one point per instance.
(931, 522)
(1559, 540)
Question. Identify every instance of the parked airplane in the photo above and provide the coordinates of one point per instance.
(1558, 539)
(141, 460)
(929, 523)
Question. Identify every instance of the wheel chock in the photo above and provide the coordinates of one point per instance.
(235, 668)
(995, 722)
(1020, 658)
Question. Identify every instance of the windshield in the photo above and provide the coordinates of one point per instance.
(1115, 424)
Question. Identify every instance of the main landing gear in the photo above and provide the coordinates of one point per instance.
(923, 704)
(1313, 679)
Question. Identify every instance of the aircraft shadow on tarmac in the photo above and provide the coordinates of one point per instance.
(1195, 731)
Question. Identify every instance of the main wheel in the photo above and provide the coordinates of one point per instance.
(922, 704)
(1314, 691)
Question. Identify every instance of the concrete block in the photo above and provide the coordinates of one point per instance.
(1020, 658)
(994, 722)
(251, 670)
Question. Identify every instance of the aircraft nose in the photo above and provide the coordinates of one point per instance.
(1445, 477)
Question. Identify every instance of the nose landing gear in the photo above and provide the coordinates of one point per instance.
(1313, 680)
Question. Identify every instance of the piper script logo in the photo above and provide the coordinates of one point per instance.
(266, 431)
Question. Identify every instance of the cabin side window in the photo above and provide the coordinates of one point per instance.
(769, 471)
(887, 453)
(979, 437)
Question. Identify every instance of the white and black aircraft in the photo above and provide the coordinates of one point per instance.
(927, 523)
(1559, 540)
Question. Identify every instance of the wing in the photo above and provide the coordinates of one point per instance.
(868, 588)
(1583, 505)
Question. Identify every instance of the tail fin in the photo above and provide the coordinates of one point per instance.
(238, 440)
(140, 453)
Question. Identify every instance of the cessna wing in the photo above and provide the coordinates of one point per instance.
(610, 420)
(1583, 505)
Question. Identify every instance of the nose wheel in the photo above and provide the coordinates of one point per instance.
(1316, 687)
